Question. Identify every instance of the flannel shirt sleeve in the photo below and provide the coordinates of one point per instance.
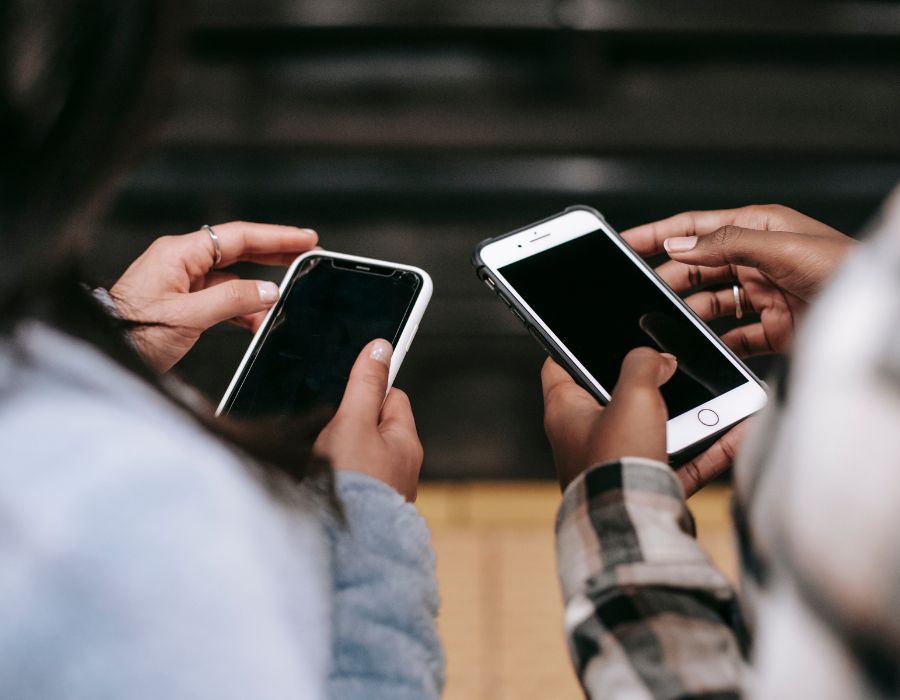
(647, 615)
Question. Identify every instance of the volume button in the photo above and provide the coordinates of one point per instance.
(537, 337)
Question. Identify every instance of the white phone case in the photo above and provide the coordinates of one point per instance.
(403, 342)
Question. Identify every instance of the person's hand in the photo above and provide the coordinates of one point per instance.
(371, 433)
(174, 286)
(779, 257)
(583, 434)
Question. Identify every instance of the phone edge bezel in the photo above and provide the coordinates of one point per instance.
(559, 355)
(403, 342)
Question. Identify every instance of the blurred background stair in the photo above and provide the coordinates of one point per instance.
(412, 130)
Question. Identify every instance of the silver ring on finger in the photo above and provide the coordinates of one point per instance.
(215, 239)
(738, 304)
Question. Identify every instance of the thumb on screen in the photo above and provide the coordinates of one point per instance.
(367, 385)
(634, 422)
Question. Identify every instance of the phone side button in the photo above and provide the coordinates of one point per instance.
(708, 417)
(517, 314)
(537, 337)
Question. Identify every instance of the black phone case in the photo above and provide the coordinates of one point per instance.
(550, 346)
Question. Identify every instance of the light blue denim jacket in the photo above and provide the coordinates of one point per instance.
(139, 558)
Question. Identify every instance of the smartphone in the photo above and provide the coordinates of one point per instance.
(589, 299)
(331, 306)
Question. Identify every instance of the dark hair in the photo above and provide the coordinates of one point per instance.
(82, 81)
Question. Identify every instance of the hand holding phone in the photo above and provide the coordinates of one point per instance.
(583, 434)
(372, 433)
(589, 300)
(335, 341)
(177, 289)
(331, 306)
(779, 257)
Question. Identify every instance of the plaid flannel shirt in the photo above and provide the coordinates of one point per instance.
(647, 614)
(817, 517)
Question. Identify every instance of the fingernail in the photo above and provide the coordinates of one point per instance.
(680, 244)
(669, 368)
(268, 292)
(381, 351)
(308, 232)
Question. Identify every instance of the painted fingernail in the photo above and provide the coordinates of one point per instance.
(381, 351)
(268, 292)
(680, 244)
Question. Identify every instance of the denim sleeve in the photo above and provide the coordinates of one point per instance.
(385, 599)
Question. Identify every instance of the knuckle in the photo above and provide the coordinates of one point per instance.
(163, 243)
(692, 471)
(643, 400)
(728, 450)
(556, 408)
(236, 292)
(373, 379)
(557, 398)
(715, 305)
(643, 354)
(694, 275)
(401, 396)
(647, 395)
(794, 248)
(778, 213)
(726, 235)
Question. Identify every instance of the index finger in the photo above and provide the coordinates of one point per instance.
(706, 466)
(245, 241)
(648, 239)
(396, 413)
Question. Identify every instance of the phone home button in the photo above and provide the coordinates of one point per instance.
(708, 417)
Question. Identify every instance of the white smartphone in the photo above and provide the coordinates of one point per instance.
(331, 306)
(589, 299)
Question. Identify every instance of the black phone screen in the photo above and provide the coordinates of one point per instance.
(330, 310)
(601, 305)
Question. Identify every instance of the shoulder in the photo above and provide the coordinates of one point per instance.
(68, 441)
(156, 544)
(98, 462)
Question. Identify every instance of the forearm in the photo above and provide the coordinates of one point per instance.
(385, 597)
(646, 612)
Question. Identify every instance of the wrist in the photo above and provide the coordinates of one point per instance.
(621, 465)
(385, 477)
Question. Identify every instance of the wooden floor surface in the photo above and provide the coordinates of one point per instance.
(501, 614)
